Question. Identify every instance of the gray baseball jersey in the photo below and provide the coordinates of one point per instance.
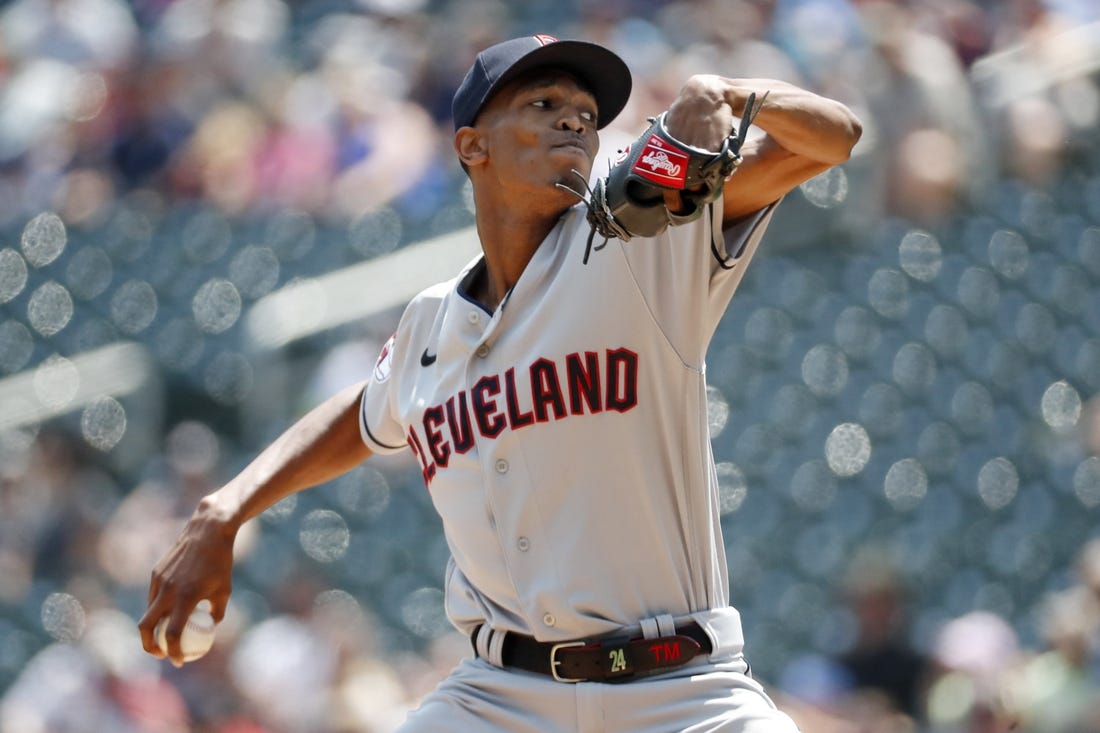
(563, 437)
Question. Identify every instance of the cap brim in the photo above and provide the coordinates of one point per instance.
(602, 71)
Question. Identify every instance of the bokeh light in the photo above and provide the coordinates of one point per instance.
(718, 411)
(1009, 254)
(16, 346)
(972, 408)
(848, 449)
(254, 271)
(103, 423)
(857, 332)
(888, 293)
(827, 190)
(825, 370)
(814, 486)
(998, 482)
(376, 232)
(880, 409)
(44, 239)
(89, 273)
(63, 617)
(324, 535)
(134, 307)
(732, 487)
(422, 612)
(906, 484)
(1061, 407)
(216, 306)
(920, 255)
(1086, 482)
(914, 368)
(979, 292)
(50, 308)
(13, 274)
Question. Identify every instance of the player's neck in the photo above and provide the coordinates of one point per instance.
(509, 240)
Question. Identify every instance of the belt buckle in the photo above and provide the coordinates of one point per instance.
(554, 660)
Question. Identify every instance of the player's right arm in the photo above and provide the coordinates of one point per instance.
(322, 445)
(805, 134)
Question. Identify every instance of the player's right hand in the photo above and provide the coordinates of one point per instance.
(199, 565)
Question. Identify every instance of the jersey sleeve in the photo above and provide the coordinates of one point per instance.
(733, 247)
(688, 275)
(378, 425)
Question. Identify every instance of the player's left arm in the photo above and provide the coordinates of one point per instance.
(805, 134)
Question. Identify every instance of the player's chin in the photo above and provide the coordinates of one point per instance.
(570, 186)
(572, 169)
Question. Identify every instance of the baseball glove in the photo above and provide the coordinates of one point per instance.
(629, 201)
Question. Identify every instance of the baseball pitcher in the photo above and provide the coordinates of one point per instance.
(554, 395)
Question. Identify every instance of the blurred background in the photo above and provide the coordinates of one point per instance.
(212, 211)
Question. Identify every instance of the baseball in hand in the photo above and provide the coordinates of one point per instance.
(197, 636)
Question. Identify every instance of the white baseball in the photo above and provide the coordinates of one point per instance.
(197, 636)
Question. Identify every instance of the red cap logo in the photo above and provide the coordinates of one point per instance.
(544, 39)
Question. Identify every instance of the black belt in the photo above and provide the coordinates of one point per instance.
(603, 660)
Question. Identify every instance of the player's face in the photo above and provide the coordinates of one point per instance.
(540, 128)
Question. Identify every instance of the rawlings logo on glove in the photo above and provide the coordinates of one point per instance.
(663, 166)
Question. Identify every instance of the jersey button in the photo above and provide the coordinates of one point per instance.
(473, 317)
(502, 466)
(549, 619)
(523, 544)
(482, 351)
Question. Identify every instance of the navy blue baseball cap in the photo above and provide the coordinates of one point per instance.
(602, 71)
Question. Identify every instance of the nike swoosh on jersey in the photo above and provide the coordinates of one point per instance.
(427, 359)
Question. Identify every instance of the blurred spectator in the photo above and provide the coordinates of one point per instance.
(312, 667)
(229, 45)
(53, 502)
(818, 681)
(96, 685)
(151, 515)
(881, 659)
(926, 134)
(1088, 578)
(89, 34)
(1088, 572)
(388, 146)
(815, 34)
(1059, 686)
(977, 657)
(61, 54)
(1036, 86)
(150, 126)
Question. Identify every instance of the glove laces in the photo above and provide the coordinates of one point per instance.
(600, 218)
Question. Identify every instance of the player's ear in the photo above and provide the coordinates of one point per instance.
(470, 146)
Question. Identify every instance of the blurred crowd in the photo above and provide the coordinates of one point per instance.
(976, 674)
(340, 109)
(336, 109)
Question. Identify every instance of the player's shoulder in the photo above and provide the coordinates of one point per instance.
(435, 296)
